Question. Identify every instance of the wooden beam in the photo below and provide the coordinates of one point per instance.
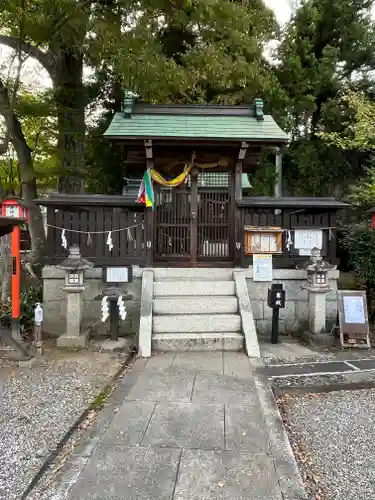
(148, 146)
(243, 150)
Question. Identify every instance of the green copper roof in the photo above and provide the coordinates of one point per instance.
(195, 126)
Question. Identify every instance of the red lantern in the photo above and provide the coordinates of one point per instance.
(373, 220)
(14, 207)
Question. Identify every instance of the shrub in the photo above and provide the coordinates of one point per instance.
(29, 298)
(359, 241)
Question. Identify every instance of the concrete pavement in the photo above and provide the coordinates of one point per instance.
(192, 426)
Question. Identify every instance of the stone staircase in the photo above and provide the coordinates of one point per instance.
(195, 310)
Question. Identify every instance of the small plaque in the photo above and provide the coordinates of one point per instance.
(263, 240)
(353, 318)
(307, 239)
(118, 274)
(262, 267)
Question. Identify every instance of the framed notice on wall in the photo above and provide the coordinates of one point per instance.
(353, 318)
(262, 267)
(263, 240)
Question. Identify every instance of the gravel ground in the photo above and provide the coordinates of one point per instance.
(332, 436)
(38, 405)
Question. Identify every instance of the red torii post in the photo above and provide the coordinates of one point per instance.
(12, 225)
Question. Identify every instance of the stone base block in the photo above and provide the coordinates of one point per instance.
(27, 363)
(119, 345)
(75, 341)
(323, 339)
(182, 342)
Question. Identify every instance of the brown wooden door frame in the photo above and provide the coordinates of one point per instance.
(193, 217)
(194, 211)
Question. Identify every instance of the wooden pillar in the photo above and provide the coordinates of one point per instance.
(279, 171)
(239, 230)
(16, 283)
(149, 213)
(239, 224)
(193, 216)
(149, 236)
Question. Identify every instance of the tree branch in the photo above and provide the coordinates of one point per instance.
(46, 59)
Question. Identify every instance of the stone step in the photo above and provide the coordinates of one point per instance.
(186, 273)
(195, 305)
(199, 341)
(191, 288)
(195, 323)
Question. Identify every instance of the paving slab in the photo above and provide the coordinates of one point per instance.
(285, 349)
(237, 365)
(222, 389)
(160, 387)
(186, 425)
(199, 362)
(160, 362)
(130, 423)
(226, 475)
(245, 429)
(131, 473)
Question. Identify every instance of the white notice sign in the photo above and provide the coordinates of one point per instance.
(117, 275)
(308, 238)
(354, 311)
(262, 267)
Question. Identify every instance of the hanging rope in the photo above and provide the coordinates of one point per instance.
(94, 232)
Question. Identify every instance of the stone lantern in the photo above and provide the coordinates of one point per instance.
(317, 288)
(74, 267)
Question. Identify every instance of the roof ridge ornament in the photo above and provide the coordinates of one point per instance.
(128, 103)
(258, 105)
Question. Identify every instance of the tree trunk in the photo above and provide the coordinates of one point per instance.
(27, 174)
(70, 99)
(66, 71)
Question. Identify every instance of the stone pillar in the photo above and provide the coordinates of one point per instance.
(74, 305)
(74, 267)
(279, 172)
(317, 310)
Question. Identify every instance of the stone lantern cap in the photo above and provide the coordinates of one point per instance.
(75, 262)
(315, 263)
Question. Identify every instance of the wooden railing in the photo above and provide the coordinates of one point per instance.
(290, 214)
(88, 226)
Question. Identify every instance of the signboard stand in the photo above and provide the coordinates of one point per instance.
(353, 319)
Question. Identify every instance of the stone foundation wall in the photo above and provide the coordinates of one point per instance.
(54, 302)
(294, 318)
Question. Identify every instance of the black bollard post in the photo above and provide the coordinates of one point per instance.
(113, 320)
(276, 300)
(275, 326)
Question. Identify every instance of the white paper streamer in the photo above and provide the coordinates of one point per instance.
(289, 240)
(64, 241)
(109, 240)
(130, 236)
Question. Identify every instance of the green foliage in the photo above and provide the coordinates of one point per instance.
(29, 298)
(313, 167)
(263, 179)
(358, 132)
(362, 194)
(327, 45)
(35, 112)
(359, 241)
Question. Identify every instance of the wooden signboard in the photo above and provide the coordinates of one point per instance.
(265, 240)
(353, 319)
